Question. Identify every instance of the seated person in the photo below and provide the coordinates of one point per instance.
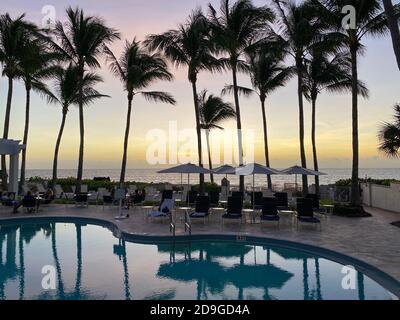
(48, 196)
(28, 197)
(8, 199)
(139, 196)
(165, 209)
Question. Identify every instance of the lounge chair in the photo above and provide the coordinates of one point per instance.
(315, 203)
(214, 198)
(81, 199)
(30, 205)
(191, 197)
(202, 208)
(164, 211)
(282, 200)
(84, 188)
(305, 212)
(93, 197)
(237, 194)
(40, 188)
(269, 211)
(258, 200)
(234, 209)
(58, 191)
(167, 194)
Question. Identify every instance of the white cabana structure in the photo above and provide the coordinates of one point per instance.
(12, 148)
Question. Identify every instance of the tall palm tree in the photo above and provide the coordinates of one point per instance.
(36, 64)
(300, 29)
(389, 135)
(66, 94)
(326, 71)
(233, 30)
(189, 45)
(371, 20)
(213, 110)
(268, 73)
(81, 40)
(13, 34)
(392, 15)
(137, 69)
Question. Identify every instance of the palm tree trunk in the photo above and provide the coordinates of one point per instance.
(127, 128)
(81, 131)
(25, 139)
(355, 192)
(57, 148)
(299, 66)
(314, 144)
(238, 122)
(209, 155)
(198, 130)
(5, 132)
(78, 281)
(266, 149)
(394, 28)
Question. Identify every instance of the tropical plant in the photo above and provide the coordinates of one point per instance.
(233, 30)
(189, 45)
(137, 69)
(268, 73)
(213, 110)
(326, 71)
(370, 20)
(65, 94)
(81, 41)
(392, 15)
(389, 135)
(36, 65)
(13, 34)
(300, 28)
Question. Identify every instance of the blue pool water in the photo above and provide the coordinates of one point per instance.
(88, 262)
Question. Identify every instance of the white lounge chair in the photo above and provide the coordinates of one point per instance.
(58, 190)
(164, 211)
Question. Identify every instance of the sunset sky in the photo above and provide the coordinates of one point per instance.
(105, 120)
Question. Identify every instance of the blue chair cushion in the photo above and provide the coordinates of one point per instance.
(199, 214)
(309, 219)
(270, 218)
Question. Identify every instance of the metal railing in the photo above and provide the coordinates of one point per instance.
(188, 224)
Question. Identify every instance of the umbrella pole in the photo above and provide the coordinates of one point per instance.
(187, 195)
(181, 186)
(227, 191)
(253, 192)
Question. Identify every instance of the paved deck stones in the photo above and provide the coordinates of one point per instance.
(373, 240)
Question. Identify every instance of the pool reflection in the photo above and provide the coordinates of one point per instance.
(200, 270)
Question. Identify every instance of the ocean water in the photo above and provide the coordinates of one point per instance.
(151, 175)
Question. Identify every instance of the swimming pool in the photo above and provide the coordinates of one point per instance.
(86, 261)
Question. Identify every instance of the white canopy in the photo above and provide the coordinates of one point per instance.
(225, 169)
(12, 148)
(185, 168)
(302, 171)
(255, 168)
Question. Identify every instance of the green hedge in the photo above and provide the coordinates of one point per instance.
(383, 182)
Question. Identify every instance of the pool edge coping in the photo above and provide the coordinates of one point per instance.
(384, 279)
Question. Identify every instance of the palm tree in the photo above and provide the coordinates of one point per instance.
(66, 94)
(213, 110)
(326, 71)
(300, 29)
(189, 45)
(389, 135)
(370, 21)
(267, 73)
(392, 15)
(81, 41)
(13, 34)
(36, 64)
(137, 69)
(232, 32)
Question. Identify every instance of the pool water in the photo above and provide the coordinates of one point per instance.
(88, 262)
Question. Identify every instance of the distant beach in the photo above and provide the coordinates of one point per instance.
(151, 175)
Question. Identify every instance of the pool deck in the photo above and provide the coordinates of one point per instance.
(372, 240)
